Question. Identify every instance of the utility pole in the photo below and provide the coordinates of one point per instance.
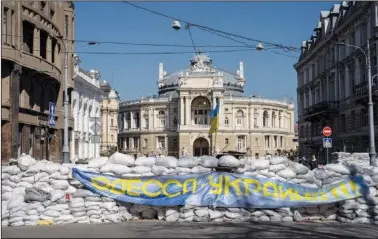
(372, 152)
(65, 151)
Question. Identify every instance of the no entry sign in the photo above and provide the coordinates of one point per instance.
(327, 131)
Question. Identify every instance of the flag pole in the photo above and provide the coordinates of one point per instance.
(215, 142)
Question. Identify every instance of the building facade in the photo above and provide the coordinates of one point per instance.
(332, 79)
(32, 76)
(86, 101)
(177, 122)
(109, 119)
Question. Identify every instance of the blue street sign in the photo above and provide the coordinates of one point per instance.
(327, 142)
(52, 113)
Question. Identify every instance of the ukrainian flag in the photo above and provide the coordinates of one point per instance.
(214, 115)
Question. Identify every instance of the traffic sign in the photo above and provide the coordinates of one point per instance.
(327, 142)
(52, 113)
(327, 131)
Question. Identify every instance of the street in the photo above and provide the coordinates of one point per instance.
(156, 229)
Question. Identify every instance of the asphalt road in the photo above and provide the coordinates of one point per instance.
(156, 229)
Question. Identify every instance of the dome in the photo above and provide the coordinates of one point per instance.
(201, 64)
(113, 94)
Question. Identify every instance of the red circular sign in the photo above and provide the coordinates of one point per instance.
(327, 131)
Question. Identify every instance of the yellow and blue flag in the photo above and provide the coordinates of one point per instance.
(214, 115)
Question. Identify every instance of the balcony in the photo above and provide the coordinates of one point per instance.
(361, 92)
(321, 110)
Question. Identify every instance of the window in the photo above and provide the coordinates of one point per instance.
(267, 143)
(281, 142)
(257, 141)
(364, 117)
(53, 46)
(226, 121)
(226, 141)
(111, 122)
(146, 122)
(342, 123)
(43, 43)
(239, 118)
(42, 6)
(65, 26)
(160, 142)
(145, 143)
(175, 120)
(353, 119)
(136, 142)
(161, 119)
(255, 119)
(351, 80)
(175, 142)
(265, 118)
(280, 119)
(241, 143)
(127, 143)
(275, 141)
(200, 109)
(273, 119)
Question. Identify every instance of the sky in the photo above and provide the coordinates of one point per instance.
(133, 76)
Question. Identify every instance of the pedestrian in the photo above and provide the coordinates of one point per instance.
(313, 163)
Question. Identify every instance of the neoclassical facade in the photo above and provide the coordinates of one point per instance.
(332, 86)
(176, 122)
(86, 103)
(109, 119)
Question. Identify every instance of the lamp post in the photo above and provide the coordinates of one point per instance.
(372, 151)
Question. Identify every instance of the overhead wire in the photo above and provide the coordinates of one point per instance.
(281, 46)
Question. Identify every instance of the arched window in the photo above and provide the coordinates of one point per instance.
(239, 118)
(226, 121)
(273, 119)
(265, 118)
(200, 108)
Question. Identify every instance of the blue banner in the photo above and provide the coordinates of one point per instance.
(218, 189)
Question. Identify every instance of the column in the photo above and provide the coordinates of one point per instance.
(188, 112)
(167, 119)
(36, 42)
(182, 108)
(48, 49)
(132, 119)
(72, 144)
(221, 119)
(15, 106)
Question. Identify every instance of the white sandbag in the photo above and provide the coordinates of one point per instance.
(158, 170)
(29, 179)
(209, 162)
(97, 162)
(4, 222)
(6, 196)
(32, 218)
(172, 215)
(57, 207)
(80, 214)
(13, 169)
(5, 176)
(188, 162)
(299, 168)
(35, 194)
(200, 169)
(65, 218)
(8, 183)
(168, 162)
(25, 161)
(338, 168)
(260, 164)
(24, 185)
(276, 167)
(124, 159)
(113, 217)
(59, 184)
(15, 201)
(58, 176)
(184, 170)
(43, 186)
(16, 219)
(287, 173)
(82, 193)
(50, 168)
(108, 205)
(94, 199)
(141, 169)
(33, 169)
(56, 195)
(16, 178)
(145, 161)
(228, 161)
(278, 160)
(93, 212)
(17, 214)
(40, 176)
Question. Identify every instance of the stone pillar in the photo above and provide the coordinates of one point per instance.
(36, 42)
(182, 108)
(48, 49)
(188, 111)
(15, 106)
(132, 119)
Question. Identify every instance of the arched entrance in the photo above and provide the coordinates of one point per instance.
(200, 147)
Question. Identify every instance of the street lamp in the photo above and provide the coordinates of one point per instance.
(372, 151)
(66, 150)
